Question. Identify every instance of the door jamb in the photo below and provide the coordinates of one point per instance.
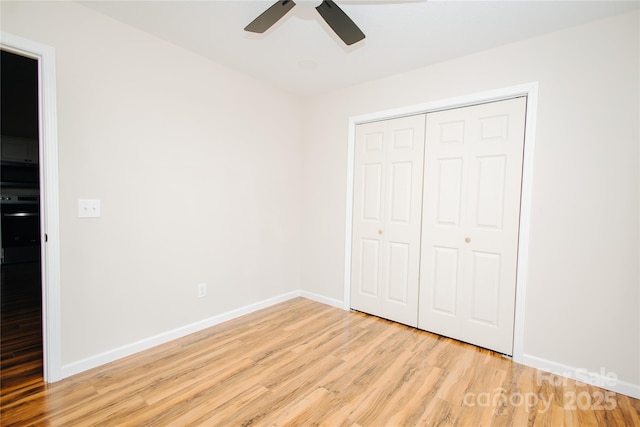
(49, 211)
(530, 90)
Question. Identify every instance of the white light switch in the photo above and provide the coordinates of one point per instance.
(88, 208)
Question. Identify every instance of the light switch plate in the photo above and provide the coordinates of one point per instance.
(88, 208)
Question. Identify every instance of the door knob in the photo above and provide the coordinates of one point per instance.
(467, 239)
(379, 231)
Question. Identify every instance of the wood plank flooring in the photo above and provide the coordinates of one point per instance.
(20, 330)
(302, 363)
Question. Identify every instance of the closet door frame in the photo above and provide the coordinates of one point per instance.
(530, 90)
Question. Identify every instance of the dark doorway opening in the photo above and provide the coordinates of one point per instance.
(21, 279)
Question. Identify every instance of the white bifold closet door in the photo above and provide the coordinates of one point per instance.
(470, 222)
(389, 159)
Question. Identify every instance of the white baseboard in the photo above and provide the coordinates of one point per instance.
(322, 299)
(602, 379)
(147, 343)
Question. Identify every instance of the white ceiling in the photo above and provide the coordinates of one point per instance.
(302, 55)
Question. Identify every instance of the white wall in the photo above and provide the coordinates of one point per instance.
(582, 302)
(196, 166)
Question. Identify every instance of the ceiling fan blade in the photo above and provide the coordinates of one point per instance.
(270, 16)
(340, 23)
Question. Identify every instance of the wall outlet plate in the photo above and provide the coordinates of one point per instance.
(88, 208)
(202, 290)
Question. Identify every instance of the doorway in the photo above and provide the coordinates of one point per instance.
(47, 149)
(20, 251)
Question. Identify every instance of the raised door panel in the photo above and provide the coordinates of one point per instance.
(449, 184)
(368, 264)
(444, 266)
(484, 276)
(401, 178)
(371, 196)
(398, 270)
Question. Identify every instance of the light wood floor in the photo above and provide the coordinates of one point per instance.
(302, 363)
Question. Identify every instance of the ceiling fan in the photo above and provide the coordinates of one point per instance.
(339, 22)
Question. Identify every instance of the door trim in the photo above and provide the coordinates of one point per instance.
(49, 211)
(530, 90)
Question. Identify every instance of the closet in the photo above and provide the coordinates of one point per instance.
(436, 212)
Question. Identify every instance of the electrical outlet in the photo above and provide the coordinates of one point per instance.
(202, 290)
